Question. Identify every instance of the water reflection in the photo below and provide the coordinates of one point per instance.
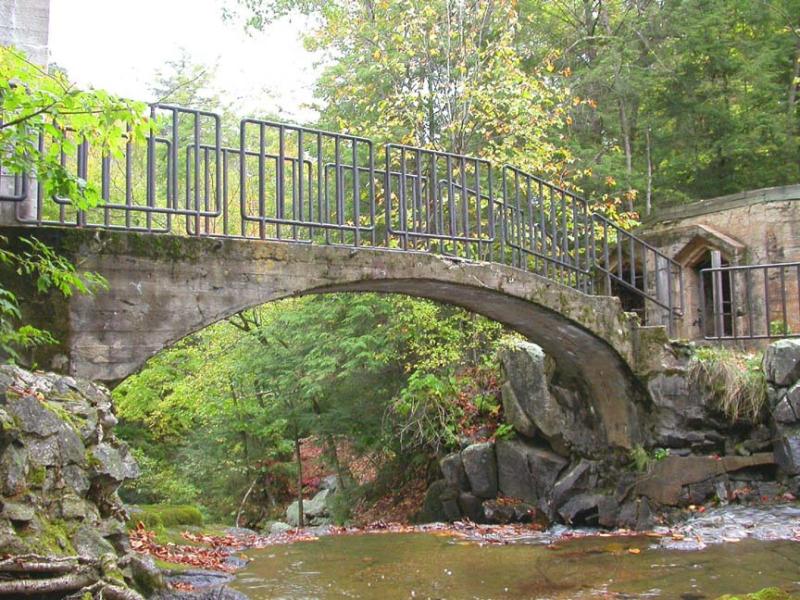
(392, 566)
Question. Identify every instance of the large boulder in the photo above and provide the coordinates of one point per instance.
(787, 450)
(432, 508)
(453, 471)
(782, 362)
(318, 505)
(480, 465)
(536, 406)
(513, 412)
(526, 471)
(528, 372)
(580, 478)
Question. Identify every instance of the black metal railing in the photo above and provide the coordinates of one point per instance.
(750, 302)
(277, 181)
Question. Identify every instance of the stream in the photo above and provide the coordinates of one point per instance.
(726, 551)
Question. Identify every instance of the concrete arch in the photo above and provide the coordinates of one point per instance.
(162, 288)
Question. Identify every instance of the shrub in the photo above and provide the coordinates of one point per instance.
(159, 516)
(735, 380)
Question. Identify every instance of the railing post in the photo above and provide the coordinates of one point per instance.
(716, 294)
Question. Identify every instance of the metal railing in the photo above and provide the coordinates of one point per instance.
(285, 182)
(750, 302)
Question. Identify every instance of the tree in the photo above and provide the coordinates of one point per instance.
(38, 105)
(443, 74)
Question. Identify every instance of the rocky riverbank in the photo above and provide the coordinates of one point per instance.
(553, 468)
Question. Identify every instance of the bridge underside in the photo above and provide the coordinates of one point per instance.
(162, 288)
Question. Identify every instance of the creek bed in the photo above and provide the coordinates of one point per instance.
(727, 551)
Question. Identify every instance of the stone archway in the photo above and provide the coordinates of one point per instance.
(162, 288)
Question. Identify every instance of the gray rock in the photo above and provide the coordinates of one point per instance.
(432, 510)
(578, 479)
(44, 452)
(782, 362)
(450, 507)
(89, 543)
(774, 394)
(494, 512)
(525, 471)
(793, 399)
(114, 463)
(279, 527)
(783, 412)
(635, 514)
(14, 470)
(480, 465)
(471, 507)
(293, 514)
(32, 416)
(787, 451)
(318, 505)
(453, 471)
(73, 452)
(607, 512)
(18, 511)
(73, 507)
(528, 371)
(147, 577)
(330, 482)
(582, 509)
(76, 478)
(514, 414)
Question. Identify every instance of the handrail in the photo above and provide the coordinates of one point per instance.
(750, 302)
(185, 180)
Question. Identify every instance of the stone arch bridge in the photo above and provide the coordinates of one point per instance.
(162, 288)
(191, 230)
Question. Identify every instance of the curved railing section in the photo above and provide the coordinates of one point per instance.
(274, 181)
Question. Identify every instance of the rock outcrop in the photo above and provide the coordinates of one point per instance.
(552, 467)
(60, 468)
(782, 369)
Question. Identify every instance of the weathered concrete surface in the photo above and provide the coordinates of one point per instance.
(162, 288)
(26, 25)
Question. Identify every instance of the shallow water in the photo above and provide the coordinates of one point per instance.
(420, 565)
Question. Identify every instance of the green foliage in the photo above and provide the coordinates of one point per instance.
(504, 432)
(34, 101)
(439, 74)
(779, 327)
(159, 516)
(736, 381)
(675, 101)
(424, 415)
(642, 459)
(220, 409)
(49, 271)
(770, 593)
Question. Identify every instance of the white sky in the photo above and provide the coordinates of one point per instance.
(118, 45)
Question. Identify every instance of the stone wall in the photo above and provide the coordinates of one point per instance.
(756, 227)
(25, 24)
(60, 468)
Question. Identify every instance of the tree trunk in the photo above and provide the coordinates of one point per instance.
(626, 141)
(649, 197)
(300, 516)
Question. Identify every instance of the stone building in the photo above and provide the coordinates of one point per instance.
(758, 227)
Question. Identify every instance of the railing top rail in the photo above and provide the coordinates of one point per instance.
(751, 267)
(191, 176)
(640, 241)
(549, 184)
(311, 130)
(466, 157)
